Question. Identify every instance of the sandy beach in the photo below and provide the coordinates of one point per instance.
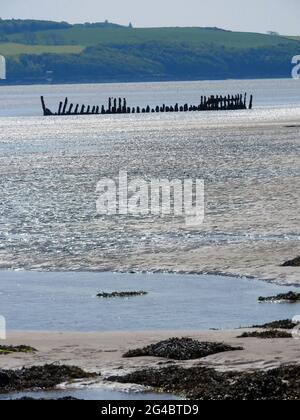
(102, 352)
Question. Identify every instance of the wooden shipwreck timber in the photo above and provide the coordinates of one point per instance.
(119, 106)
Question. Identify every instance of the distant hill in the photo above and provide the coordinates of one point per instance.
(102, 52)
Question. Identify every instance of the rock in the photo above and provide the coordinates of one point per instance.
(292, 263)
(121, 295)
(285, 297)
(266, 334)
(200, 383)
(181, 349)
(16, 349)
(45, 377)
(4, 379)
(285, 324)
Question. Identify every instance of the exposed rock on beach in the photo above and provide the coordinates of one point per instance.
(285, 324)
(266, 334)
(292, 263)
(181, 349)
(201, 383)
(4, 350)
(44, 377)
(284, 297)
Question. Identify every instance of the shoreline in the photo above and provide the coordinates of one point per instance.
(102, 351)
(293, 272)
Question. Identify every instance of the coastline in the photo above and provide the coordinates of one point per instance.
(102, 352)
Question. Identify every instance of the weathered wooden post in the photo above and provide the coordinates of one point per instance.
(70, 109)
(201, 103)
(124, 106)
(60, 108)
(43, 105)
(82, 110)
(109, 105)
(103, 110)
(46, 111)
(76, 109)
(251, 102)
(65, 107)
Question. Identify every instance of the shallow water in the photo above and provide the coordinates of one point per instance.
(68, 302)
(49, 169)
(91, 394)
(25, 100)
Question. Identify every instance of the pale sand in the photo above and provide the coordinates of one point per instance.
(260, 260)
(102, 352)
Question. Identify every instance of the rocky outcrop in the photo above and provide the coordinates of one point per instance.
(266, 334)
(284, 297)
(16, 349)
(292, 263)
(200, 383)
(45, 377)
(181, 349)
(285, 324)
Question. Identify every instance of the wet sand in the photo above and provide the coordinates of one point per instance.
(102, 352)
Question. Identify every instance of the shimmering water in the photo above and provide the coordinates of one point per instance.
(49, 169)
(90, 394)
(67, 302)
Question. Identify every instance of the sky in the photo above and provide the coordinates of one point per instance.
(282, 16)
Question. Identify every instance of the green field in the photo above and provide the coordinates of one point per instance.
(80, 35)
(12, 49)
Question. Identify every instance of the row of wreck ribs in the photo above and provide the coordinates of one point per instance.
(119, 106)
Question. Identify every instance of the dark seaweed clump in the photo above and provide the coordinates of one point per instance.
(283, 297)
(266, 334)
(181, 349)
(121, 294)
(292, 263)
(4, 350)
(200, 383)
(285, 324)
(44, 377)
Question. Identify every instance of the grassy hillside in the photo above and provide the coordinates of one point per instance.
(81, 35)
(107, 52)
(13, 49)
